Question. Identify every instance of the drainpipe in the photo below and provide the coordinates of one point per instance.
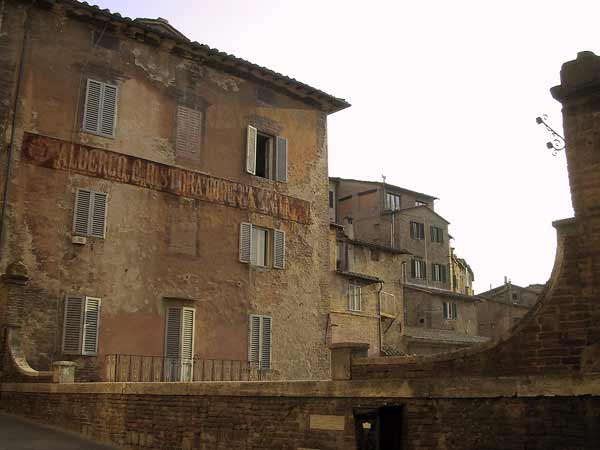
(379, 337)
(9, 156)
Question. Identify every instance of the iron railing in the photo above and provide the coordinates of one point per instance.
(140, 368)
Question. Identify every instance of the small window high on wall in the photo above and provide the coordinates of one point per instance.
(266, 155)
(100, 110)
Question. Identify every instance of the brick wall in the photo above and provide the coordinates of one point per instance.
(278, 416)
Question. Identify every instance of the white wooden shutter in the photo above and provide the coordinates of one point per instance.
(98, 215)
(281, 158)
(251, 150)
(74, 307)
(91, 326)
(187, 333)
(173, 335)
(278, 249)
(265, 344)
(245, 242)
(254, 340)
(189, 130)
(108, 118)
(81, 214)
(93, 101)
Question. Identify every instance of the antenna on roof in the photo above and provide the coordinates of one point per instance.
(383, 178)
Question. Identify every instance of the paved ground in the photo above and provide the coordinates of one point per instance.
(19, 434)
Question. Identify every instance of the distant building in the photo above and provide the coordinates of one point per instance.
(366, 291)
(505, 305)
(437, 312)
(461, 275)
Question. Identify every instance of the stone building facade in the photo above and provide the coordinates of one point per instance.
(366, 292)
(504, 307)
(438, 308)
(167, 199)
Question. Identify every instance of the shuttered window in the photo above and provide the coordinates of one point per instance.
(260, 341)
(179, 339)
(91, 325)
(266, 155)
(261, 247)
(189, 130)
(450, 311)
(179, 344)
(281, 155)
(354, 298)
(81, 325)
(89, 217)
(418, 268)
(438, 272)
(100, 111)
(251, 150)
(437, 234)
(278, 249)
(417, 230)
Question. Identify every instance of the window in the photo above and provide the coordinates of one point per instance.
(354, 298)
(437, 234)
(100, 111)
(392, 201)
(266, 155)
(420, 203)
(179, 343)
(450, 311)
(331, 199)
(418, 269)
(259, 341)
(81, 325)
(189, 130)
(417, 230)
(261, 246)
(89, 217)
(438, 272)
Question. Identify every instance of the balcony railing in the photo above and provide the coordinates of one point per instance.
(139, 368)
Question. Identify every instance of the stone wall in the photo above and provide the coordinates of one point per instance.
(449, 414)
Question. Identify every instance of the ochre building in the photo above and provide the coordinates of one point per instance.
(166, 200)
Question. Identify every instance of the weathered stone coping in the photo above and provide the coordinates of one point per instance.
(467, 387)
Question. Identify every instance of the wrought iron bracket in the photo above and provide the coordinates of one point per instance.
(557, 143)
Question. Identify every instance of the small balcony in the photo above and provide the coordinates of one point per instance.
(139, 368)
(388, 305)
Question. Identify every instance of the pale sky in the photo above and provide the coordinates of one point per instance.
(444, 99)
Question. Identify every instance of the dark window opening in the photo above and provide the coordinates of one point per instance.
(379, 429)
(331, 199)
(263, 155)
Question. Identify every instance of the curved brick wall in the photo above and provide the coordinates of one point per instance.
(561, 335)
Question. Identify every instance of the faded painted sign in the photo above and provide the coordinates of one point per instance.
(57, 154)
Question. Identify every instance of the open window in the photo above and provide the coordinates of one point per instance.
(266, 155)
(262, 247)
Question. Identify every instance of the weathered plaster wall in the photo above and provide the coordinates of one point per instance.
(157, 244)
